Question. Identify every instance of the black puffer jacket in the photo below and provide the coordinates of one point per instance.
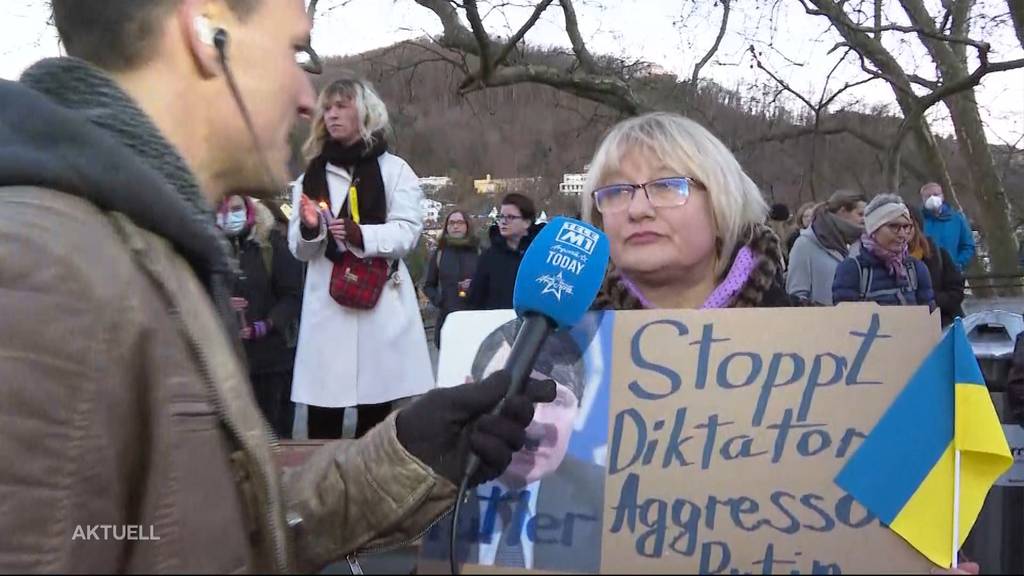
(274, 294)
(495, 278)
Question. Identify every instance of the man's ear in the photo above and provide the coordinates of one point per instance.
(195, 21)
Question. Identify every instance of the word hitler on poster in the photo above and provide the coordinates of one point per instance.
(727, 429)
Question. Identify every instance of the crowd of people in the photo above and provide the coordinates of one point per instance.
(852, 248)
(155, 300)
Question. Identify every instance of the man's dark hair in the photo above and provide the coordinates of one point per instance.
(560, 357)
(118, 35)
(524, 203)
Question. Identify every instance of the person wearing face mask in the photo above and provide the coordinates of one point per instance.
(267, 297)
(451, 267)
(835, 227)
(884, 272)
(948, 227)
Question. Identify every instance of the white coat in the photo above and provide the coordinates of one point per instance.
(348, 357)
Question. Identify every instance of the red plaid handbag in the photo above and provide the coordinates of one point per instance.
(357, 282)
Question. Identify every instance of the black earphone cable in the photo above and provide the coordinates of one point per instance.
(220, 42)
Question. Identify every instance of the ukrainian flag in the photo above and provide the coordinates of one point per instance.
(905, 471)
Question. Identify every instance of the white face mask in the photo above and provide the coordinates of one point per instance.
(233, 223)
(933, 203)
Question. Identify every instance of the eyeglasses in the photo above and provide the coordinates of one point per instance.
(661, 193)
(459, 222)
(308, 60)
(896, 227)
(509, 218)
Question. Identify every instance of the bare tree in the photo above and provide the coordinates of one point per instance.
(486, 59)
(1016, 8)
(954, 86)
(726, 6)
(819, 109)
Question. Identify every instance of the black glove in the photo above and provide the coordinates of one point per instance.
(431, 428)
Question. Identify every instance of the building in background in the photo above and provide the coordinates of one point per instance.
(431, 185)
(431, 210)
(572, 184)
(493, 186)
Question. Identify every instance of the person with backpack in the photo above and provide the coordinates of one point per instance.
(451, 267)
(267, 297)
(883, 271)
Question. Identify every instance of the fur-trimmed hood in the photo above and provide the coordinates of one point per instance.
(764, 287)
(263, 223)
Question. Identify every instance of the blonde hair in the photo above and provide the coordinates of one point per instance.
(373, 114)
(687, 147)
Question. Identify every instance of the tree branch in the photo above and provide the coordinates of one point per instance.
(606, 90)
(830, 130)
(778, 80)
(591, 83)
(482, 41)
(572, 28)
(1016, 8)
(726, 5)
(521, 33)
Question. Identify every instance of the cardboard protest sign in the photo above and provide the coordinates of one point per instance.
(722, 433)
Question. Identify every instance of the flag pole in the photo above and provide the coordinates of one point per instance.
(956, 508)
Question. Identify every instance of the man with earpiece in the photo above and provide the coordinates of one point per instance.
(130, 438)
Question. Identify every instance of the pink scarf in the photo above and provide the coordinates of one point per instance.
(723, 294)
(893, 259)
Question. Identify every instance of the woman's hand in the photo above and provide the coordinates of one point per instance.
(345, 230)
(337, 229)
(963, 568)
(310, 212)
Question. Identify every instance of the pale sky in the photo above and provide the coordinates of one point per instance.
(671, 33)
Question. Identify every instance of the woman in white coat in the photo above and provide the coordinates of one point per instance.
(348, 357)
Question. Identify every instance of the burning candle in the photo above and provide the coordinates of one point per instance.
(324, 210)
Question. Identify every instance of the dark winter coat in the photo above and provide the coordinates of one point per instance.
(274, 294)
(947, 283)
(884, 286)
(447, 267)
(495, 278)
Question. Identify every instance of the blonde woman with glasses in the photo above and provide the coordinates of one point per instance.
(684, 221)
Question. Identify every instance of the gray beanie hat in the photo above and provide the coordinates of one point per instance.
(883, 209)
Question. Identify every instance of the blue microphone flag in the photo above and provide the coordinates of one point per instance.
(562, 271)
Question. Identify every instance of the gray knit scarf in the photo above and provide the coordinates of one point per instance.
(77, 85)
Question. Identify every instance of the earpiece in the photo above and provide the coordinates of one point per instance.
(204, 31)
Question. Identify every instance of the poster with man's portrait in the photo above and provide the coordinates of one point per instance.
(545, 512)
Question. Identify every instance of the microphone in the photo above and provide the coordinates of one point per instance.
(558, 279)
